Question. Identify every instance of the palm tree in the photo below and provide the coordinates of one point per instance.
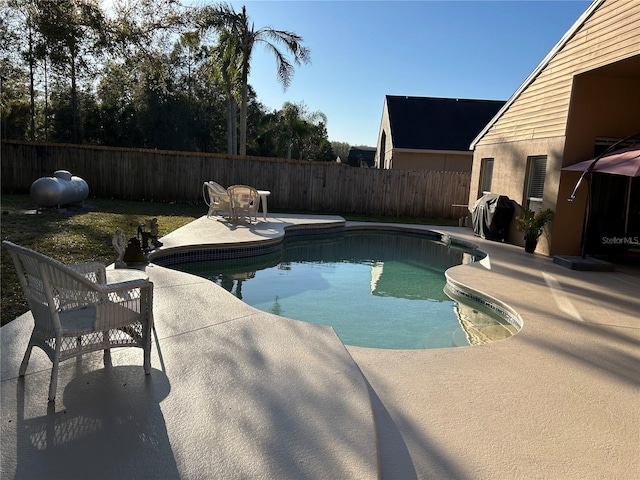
(298, 123)
(225, 65)
(231, 24)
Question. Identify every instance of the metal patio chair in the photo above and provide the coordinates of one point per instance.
(75, 310)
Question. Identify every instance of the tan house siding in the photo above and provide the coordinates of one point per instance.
(606, 114)
(585, 88)
(611, 33)
(384, 148)
(510, 175)
(440, 161)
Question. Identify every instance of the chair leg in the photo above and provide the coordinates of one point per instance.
(147, 360)
(25, 360)
(147, 348)
(106, 358)
(53, 385)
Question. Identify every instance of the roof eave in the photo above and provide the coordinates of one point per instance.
(431, 150)
(563, 41)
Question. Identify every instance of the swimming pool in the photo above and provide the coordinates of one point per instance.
(376, 289)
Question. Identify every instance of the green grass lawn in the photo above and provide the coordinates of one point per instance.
(76, 234)
(81, 234)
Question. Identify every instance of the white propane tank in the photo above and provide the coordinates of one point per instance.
(61, 189)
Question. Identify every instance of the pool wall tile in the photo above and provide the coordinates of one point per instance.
(502, 311)
(228, 252)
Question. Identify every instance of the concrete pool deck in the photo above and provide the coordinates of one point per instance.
(239, 393)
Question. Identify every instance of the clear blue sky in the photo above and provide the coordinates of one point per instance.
(364, 50)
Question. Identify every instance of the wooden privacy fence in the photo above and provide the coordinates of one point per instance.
(137, 174)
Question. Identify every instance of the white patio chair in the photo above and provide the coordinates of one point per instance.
(245, 201)
(75, 311)
(218, 198)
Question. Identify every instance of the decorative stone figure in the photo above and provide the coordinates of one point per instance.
(154, 233)
(143, 236)
(134, 254)
(148, 235)
(119, 245)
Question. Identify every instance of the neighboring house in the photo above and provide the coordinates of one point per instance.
(361, 157)
(584, 95)
(423, 133)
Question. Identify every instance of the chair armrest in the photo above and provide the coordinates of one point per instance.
(130, 296)
(124, 286)
(124, 303)
(94, 271)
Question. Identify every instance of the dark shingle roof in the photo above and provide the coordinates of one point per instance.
(366, 154)
(427, 123)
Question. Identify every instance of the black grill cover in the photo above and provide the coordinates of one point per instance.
(491, 215)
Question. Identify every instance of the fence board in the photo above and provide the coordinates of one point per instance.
(137, 174)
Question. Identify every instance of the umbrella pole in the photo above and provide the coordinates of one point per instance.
(587, 173)
(587, 215)
(626, 215)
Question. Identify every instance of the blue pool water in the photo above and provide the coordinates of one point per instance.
(382, 290)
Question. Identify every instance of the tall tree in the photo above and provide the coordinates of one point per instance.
(74, 33)
(299, 124)
(224, 65)
(19, 35)
(227, 67)
(141, 28)
(137, 84)
(184, 55)
(340, 149)
(237, 25)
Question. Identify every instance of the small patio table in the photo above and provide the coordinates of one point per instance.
(263, 199)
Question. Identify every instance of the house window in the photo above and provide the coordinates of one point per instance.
(535, 183)
(383, 148)
(486, 175)
(603, 143)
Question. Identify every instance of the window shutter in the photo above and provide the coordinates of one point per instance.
(535, 188)
(536, 177)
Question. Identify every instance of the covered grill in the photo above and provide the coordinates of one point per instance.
(491, 216)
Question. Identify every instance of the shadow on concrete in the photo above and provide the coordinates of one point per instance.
(296, 414)
(111, 426)
(395, 459)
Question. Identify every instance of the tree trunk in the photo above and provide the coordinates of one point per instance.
(229, 125)
(46, 101)
(32, 92)
(74, 101)
(232, 125)
(243, 119)
(245, 93)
